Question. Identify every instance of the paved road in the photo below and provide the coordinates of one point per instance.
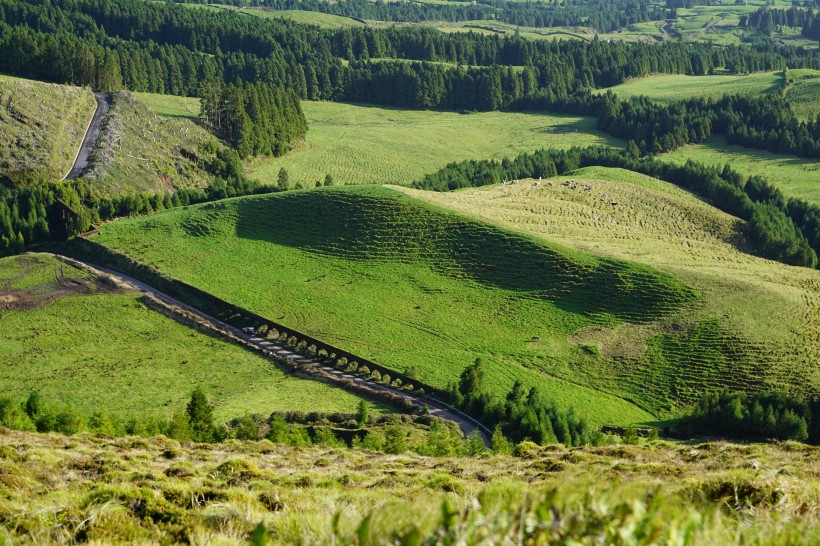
(436, 408)
(90, 138)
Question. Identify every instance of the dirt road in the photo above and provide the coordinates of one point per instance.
(268, 348)
(90, 139)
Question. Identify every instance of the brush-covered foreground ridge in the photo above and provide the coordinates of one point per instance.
(622, 333)
(56, 489)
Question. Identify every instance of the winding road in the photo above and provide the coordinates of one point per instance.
(92, 132)
(435, 407)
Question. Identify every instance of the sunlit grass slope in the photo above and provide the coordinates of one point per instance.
(96, 350)
(417, 288)
(41, 126)
(670, 88)
(794, 176)
(756, 324)
(372, 145)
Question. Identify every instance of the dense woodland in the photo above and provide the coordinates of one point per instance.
(768, 20)
(787, 231)
(763, 416)
(602, 15)
(255, 119)
(178, 50)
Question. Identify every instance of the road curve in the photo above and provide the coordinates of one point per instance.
(90, 138)
(435, 407)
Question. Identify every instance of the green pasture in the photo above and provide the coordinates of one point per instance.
(107, 352)
(374, 145)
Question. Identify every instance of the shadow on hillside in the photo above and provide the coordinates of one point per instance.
(380, 226)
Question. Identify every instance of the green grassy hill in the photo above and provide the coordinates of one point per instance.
(41, 126)
(154, 490)
(415, 287)
(372, 145)
(756, 323)
(97, 350)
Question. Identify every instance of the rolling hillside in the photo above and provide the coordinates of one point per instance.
(41, 126)
(756, 323)
(140, 149)
(414, 287)
(85, 346)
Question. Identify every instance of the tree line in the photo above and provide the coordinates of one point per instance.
(603, 16)
(768, 19)
(196, 422)
(784, 230)
(761, 416)
(171, 49)
(254, 118)
(35, 211)
(523, 415)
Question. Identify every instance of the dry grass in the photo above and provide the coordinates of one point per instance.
(56, 489)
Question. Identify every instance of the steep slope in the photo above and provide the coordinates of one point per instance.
(41, 127)
(140, 149)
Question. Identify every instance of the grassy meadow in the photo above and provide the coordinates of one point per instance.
(671, 88)
(794, 176)
(41, 126)
(97, 350)
(372, 145)
(154, 490)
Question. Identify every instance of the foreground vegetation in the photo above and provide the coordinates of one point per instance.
(92, 349)
(155, 489)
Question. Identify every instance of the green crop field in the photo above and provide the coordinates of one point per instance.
(41, 126)
(367, 145)
(796, 177)
(670, 88)
(804, 93)
(147, 143)
(409, 286)
(97, 350)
